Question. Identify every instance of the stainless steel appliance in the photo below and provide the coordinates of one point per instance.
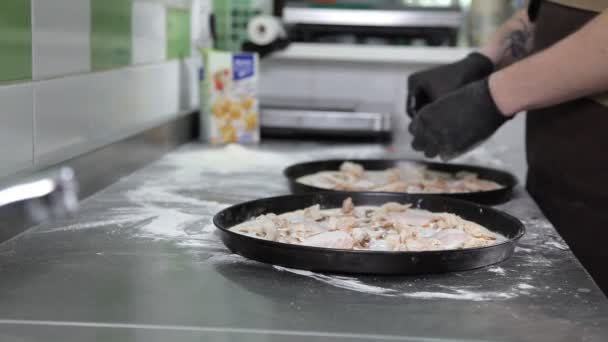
(330, 120)
(377, 21)
(46, 196)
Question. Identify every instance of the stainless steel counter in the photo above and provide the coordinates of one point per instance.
(141, 262)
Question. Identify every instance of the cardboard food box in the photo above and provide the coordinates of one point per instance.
(229, 97)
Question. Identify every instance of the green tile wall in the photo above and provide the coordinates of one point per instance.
(178, 33)
(110, 33)
(15, 40)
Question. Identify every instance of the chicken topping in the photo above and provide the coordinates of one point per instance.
(406, 177)
(390, 227)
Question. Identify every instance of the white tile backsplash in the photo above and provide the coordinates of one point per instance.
(149, 32)
(62, 121)
(68, 110)
(84, 112)
(61, 37)
(16, 113)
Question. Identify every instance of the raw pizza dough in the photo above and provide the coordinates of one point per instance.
(391, 227)
(405, 177)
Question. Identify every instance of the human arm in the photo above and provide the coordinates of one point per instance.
(511, 42)
(575, 67)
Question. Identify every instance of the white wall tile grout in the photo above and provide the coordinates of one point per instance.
(34, 38)
(131, 66)
(34, 139)
(34, 47)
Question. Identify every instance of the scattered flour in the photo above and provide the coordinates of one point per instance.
(188, 166)
(347, 283)
(205, 239)
(538, 223)
(447, 292)
(461, 294)
(227, 258)
(165, 223)
(90, 224)
(161, 214)
(158, 209)
(232, 158)
(169, 223)
(557, 245)
(524, 286)
(151, 193)
(519, 249)
(497, 270)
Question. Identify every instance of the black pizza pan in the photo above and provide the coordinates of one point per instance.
(501, 195)
(364, 261)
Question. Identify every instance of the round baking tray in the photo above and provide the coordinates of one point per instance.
(364, 261)
(504, 194)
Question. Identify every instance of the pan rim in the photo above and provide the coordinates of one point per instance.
(521, 231)
(512, 183)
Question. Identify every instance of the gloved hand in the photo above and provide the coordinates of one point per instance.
(456, 122)
(427, 86)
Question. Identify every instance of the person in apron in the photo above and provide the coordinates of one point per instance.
(550, 60)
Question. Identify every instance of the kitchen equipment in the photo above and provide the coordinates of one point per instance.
(368, 262)
(50, 195)
(230, 20)
(336, 120)
(266, 35)
(377, 21)
(507, 180)
(263, 30)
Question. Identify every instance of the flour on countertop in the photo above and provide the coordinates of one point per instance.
(224, 160)
(227, 258)
(557, 245)
(152, 193)
(171, 204)
(442, 292)
(161, 214)
(460, 294)
(523, 250)
(347, 283)
(235, 158)
(496, 269)
(114, 221)
(180, 220)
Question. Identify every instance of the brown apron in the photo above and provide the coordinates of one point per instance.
(567, 156)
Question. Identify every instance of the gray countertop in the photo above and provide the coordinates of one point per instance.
(141, 262)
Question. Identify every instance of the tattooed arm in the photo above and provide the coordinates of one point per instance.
(575, 67)
(512, 42)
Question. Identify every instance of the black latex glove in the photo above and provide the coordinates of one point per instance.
(427, 86)
(456, 122)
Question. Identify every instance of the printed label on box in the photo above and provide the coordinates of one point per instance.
(229, 103)
(243, 66)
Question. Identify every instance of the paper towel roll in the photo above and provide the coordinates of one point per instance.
(263, 30)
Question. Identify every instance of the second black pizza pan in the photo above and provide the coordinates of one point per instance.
(506, 179)
(363, 261)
